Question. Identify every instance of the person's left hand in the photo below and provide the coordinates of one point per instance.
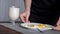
(57, 27)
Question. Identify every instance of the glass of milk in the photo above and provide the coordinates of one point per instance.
(13, 14)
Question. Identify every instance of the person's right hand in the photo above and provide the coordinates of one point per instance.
(25, 16)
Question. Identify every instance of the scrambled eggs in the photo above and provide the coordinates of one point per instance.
(39, 26)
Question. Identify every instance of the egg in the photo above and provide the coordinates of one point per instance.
(41, 25)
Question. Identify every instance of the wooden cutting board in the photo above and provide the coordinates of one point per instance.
(5, 30)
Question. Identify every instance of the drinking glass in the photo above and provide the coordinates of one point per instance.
(13, 14)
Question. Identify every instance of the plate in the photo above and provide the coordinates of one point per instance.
(37, 25)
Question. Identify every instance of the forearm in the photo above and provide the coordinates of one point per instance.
(27, 4)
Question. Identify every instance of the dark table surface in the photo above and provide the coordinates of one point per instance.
(5, 30)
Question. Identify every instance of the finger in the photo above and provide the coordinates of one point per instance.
(28, 22)
(22, 18)
(57, 28)
(58, 23)
(27, 19)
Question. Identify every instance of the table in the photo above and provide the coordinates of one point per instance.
(5, 30)
(27, 31)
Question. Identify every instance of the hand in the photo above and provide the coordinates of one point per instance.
(57, 25)
(25, 16)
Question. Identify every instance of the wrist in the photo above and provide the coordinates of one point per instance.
(27, 10)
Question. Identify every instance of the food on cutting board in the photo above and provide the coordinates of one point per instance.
(32, 26)
(38, 26)
(43, 26)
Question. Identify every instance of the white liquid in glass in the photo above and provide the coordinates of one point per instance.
(13, 14)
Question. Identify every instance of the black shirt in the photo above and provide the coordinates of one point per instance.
(44, 11)
(44, 3)
(43, 6)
